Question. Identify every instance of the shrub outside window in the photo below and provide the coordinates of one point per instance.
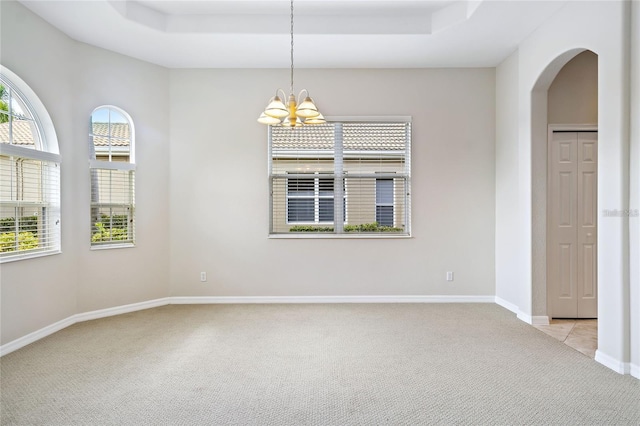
(29, 174)
(364, 163)
(112, 171)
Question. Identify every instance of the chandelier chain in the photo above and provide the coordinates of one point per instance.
(291, 90)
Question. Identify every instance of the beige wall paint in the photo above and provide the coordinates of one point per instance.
(223, 229)
(573, 95)
(71, 79)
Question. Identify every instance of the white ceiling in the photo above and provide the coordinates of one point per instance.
(328, 34)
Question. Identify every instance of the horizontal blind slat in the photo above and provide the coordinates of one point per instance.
(112, 206)
(29, 207)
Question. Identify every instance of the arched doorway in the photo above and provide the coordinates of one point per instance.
(564, 110)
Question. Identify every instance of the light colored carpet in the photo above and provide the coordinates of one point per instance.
(311, 365)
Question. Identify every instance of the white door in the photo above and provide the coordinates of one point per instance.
(572, 219)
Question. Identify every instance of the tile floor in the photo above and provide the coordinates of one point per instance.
(582, 335)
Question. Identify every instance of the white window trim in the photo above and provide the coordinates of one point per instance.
(111, 165)
(48, 151)
(32, 154)
(321, 235)
(115, 165)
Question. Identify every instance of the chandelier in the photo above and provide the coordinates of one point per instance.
(294, 113)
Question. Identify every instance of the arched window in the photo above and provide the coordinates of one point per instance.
(112, 178)
(29, 174)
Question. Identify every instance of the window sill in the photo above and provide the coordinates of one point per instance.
(320, 235)
(112, 246)
(18, 257)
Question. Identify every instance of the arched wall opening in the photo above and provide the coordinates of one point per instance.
(612, 264)
(551, 100)
(523, 81)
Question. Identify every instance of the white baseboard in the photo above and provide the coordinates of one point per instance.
(525, 317)
(532, 320)
(507, 305)
(36, 335)
(635, 371)
(540, 320)
(124, 309)
(86, 316)
(329, 299)
(612, 363)
(102, 313)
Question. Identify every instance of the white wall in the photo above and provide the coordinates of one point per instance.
(219, 186)
(142, 90)
(38, 292)
(572, 98)
(71, 79)
(507, 285)
(634, 225)
(602, 27)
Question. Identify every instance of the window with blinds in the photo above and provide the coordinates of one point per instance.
(29, 179)
(343, 177)
(112, 171)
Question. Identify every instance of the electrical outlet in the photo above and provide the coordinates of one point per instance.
(449, 276)
(203, 276)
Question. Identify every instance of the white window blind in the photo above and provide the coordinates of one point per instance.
(385, 204)
(365, 165)
(112, 206)
(112, 174)
(29, 181)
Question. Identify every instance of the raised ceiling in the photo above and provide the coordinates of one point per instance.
(328, 34)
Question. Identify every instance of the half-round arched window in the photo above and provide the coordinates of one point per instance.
(29, 173)
(112, 178)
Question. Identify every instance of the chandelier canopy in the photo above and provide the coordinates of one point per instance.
(293, 113)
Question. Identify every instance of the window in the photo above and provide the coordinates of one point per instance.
(366, 164)
(29, 174)
(310, 200)
(112, 171)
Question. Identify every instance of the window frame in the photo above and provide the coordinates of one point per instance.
(129, 167)
(341, 178)
(44, 151)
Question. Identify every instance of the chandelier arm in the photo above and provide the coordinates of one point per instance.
(300, 95)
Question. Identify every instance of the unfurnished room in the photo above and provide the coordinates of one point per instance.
(305, 212)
